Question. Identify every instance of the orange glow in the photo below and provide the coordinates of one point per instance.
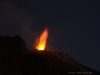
(41, 44)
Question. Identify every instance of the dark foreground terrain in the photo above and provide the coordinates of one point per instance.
(15, 59)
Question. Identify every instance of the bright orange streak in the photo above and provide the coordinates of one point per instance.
(42, 40)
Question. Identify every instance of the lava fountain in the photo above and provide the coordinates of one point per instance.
(41, 43)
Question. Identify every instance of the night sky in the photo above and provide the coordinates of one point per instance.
(74, 26)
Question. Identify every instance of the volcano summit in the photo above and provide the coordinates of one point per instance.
(15, 59)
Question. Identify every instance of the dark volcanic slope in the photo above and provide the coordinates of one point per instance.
(58, 63)
(16, 60)
(12, 51)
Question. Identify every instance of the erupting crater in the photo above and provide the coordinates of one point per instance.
(41, 41)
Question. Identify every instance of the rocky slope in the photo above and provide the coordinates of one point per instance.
(12, 51)
(58, 63)
(15, 59)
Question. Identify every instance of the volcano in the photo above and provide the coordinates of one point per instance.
(15, 59)
(58, 63)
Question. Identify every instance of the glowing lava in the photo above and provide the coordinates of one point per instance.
(41, 44)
